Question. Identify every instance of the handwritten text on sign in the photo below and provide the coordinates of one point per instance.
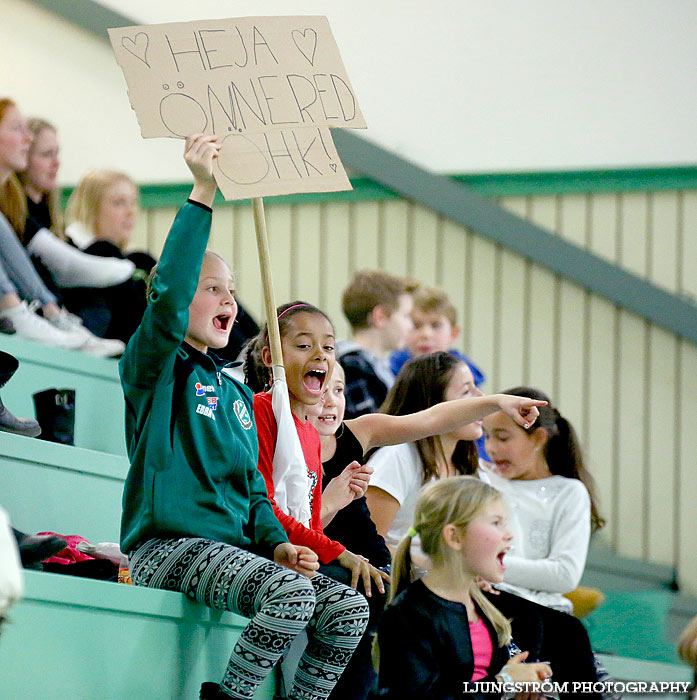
(269, 86)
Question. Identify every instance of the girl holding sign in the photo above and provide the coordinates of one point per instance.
(196, 516)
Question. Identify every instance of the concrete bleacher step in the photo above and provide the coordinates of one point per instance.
(59, 488)
(79, 639)
(99, 413)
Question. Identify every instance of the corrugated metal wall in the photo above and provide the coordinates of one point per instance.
(629, 387)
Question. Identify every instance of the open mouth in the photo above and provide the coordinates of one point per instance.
(313, 381)
(222, 322)
(327, 418)
(500, 557)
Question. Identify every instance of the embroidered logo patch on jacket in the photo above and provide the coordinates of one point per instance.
(242, 414)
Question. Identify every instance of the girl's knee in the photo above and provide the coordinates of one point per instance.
(291, 595)
(345, 609)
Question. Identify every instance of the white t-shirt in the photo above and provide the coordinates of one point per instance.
(398, 471)
(550, 522)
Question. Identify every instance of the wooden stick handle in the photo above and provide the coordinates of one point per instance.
(267, 282)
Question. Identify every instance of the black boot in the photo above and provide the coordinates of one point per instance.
(8, 422)
(55, 411)
(212, 691)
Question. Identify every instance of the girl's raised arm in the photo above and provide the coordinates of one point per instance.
(377, 429)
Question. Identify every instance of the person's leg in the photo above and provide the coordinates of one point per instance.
(280, 602)
(336, 628)
(553, 636)
(360, 677)
(19, 268)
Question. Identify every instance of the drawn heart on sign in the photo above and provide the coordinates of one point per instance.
(304, 43)
(138, 47)
(333, 166)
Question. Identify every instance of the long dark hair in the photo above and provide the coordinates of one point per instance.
(256, 374)
(422, 383)
(562, 450)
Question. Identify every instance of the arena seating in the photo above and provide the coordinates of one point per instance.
(73, 638)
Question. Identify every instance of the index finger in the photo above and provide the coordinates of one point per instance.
(519, 658)
(525, 416)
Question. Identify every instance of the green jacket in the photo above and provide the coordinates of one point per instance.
(190, 430)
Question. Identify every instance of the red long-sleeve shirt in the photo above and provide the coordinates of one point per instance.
(313, 537)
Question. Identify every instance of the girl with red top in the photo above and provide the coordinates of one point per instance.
(307, 342)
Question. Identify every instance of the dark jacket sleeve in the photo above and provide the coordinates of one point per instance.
(364, 391)
(263, 527)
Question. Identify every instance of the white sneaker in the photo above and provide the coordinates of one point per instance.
(31, 326)
(92, 344)
(102, 347)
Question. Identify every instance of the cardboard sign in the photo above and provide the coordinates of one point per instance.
(270, 87)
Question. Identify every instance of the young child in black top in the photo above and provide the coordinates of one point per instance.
(440, 632)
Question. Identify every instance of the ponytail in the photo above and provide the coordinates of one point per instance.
(256, 374)
(400, 571)
(562, 451)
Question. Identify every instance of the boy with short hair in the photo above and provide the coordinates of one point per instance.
(378, 307)
(435, 330)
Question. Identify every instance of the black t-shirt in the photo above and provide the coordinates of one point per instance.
(352, 525)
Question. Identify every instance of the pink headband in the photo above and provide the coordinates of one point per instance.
(290, 308)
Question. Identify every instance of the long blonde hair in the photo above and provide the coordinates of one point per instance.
(83, 205)
(452, 501)
(36, 125)
(13, 203)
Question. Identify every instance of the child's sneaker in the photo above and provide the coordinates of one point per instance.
(103, 347)
(92, 344)
(31, 326)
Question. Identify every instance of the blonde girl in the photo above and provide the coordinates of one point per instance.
(441, 631)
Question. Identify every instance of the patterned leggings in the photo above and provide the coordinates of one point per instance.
(280, 603)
